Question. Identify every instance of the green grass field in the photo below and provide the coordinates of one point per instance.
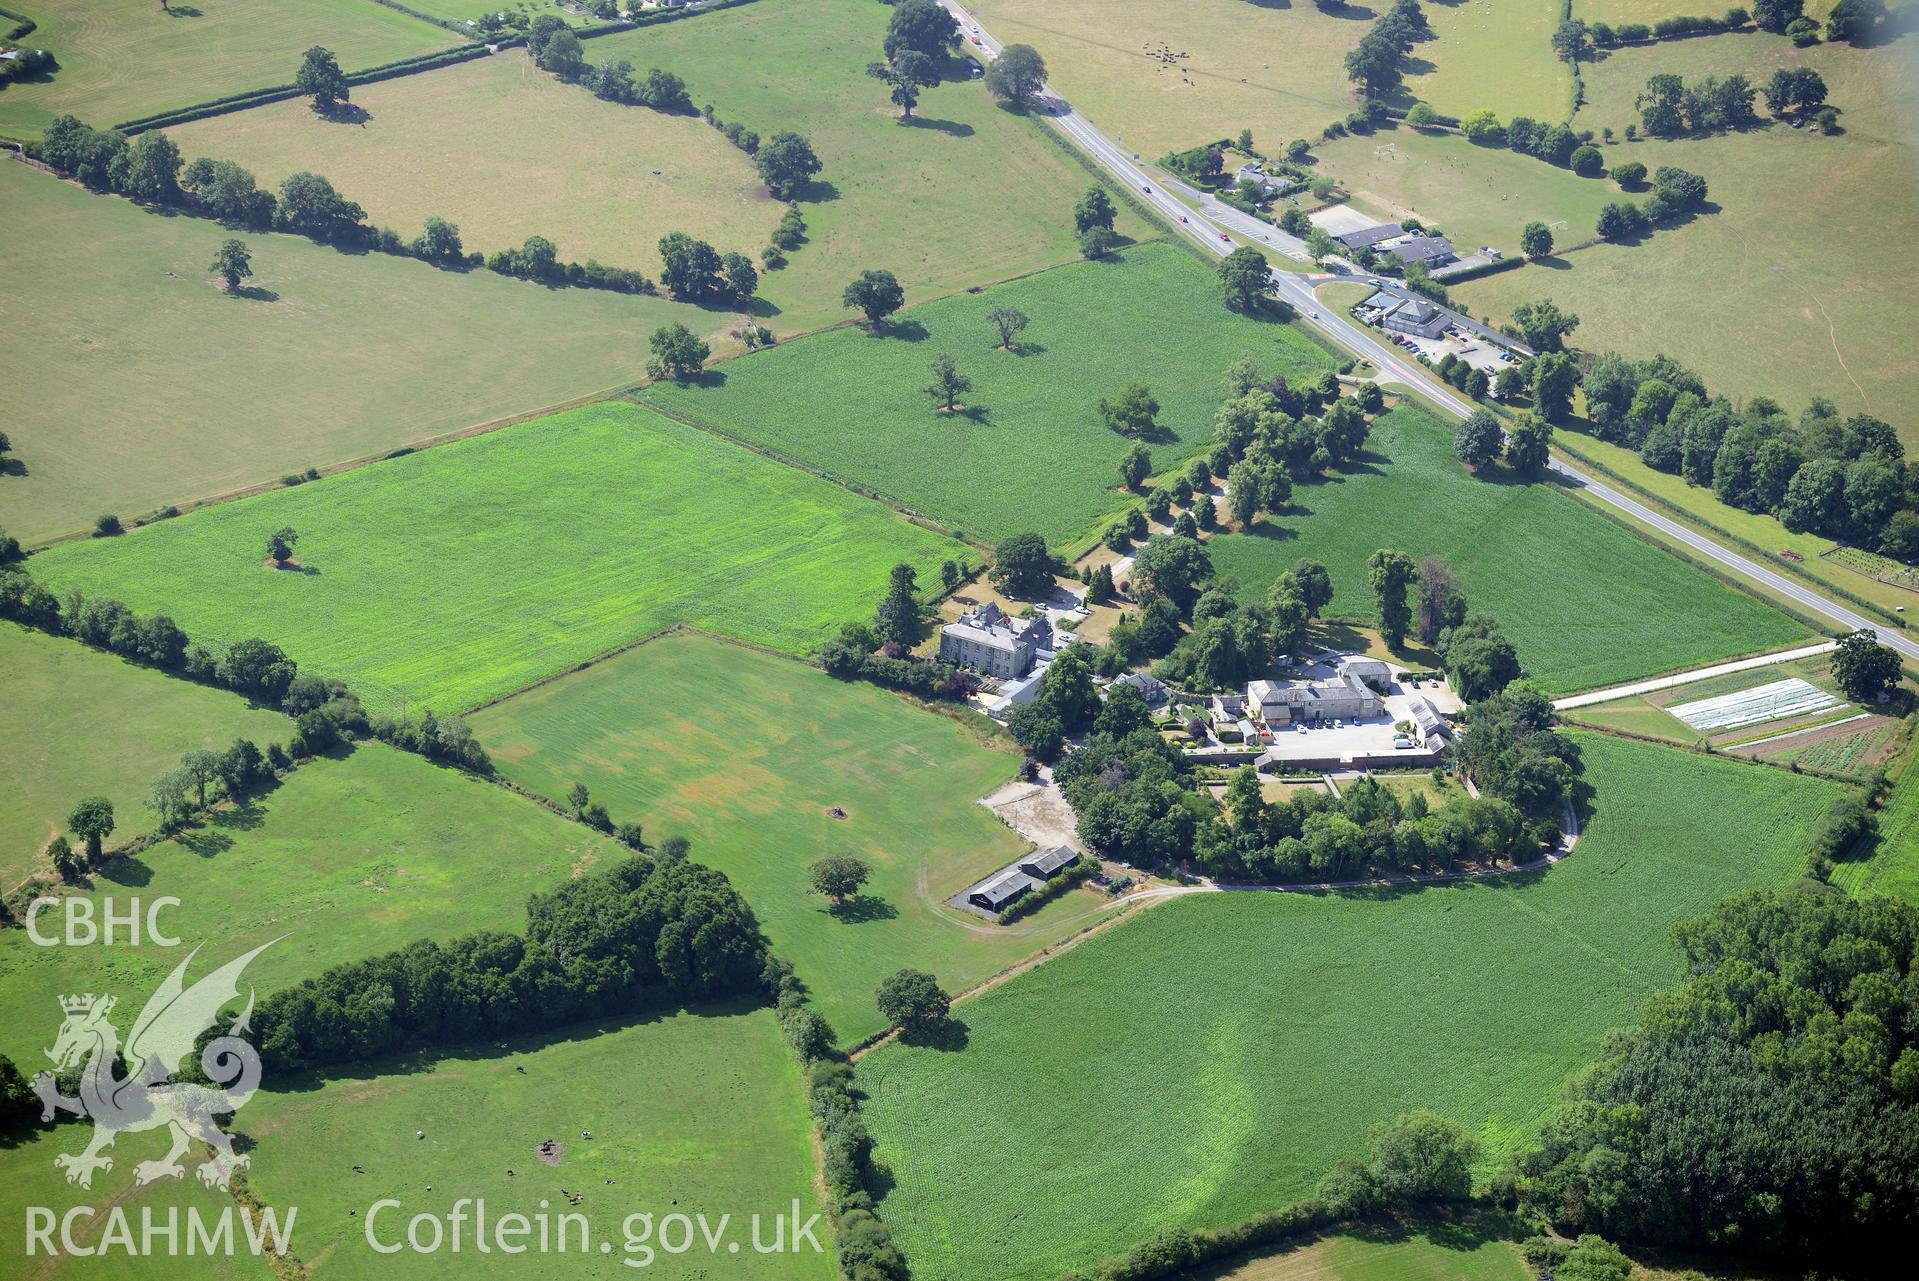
(1032, 454)
(345, 858)
(1894, 866)
(699, 1112)
(745, 754)
(1476, 195)
(507, 151)
(84, 723)
(1213, 1057)
(1492, 53)
(125, 58)
(135, 382)
(28, 1177)
(1275, 69)
(1586, 602)
(1415, 1250)
(463, 573)
(966, 193)
(1818, 304)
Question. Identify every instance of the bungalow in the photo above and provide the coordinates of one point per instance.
(1434, 251)
(1406, 315)
(1250, 172)
(997, 893)
(1044, 865)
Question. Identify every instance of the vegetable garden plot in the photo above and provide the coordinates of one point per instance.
(1751, 706)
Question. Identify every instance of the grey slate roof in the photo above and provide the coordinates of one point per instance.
(1042, 864)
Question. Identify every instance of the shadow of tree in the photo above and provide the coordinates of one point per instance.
(862, 908)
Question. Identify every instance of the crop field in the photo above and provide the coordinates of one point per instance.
(1894, 866)
(1492, 53)
(1653, 713)
(927, 200)
(698, 1112)
(1444, 1250)
(1809, 323)
(345, 858)
(1853, 749)
(601, 525)
(83, 723)
(1586, 602)
(1031, 452)
(748, 755)
(1476, 195)
(1275, 69)
(134, 382)
(1211, 1058)
(508, 151)
(125, 58)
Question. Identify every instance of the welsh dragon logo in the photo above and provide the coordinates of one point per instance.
(148, 1098)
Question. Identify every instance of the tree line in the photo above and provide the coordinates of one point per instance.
(1841, 476)
(645, 933)
(151, 170)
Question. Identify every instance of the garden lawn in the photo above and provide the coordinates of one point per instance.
(345, 858)
(1586, 602)
(120, 59)
(1213, 1057)
(453, 576)
(135, 382)
(963, 194)
(1030, 453)
(701, 1112)
(1492, 53)
(83, 723)
(747, 754)
(1277, 69)
(1794, 250)
(507, 151)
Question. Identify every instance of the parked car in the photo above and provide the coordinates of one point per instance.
(1339, 724)
(1402, 744)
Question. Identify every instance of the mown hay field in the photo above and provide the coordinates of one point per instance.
(136, 382)
(1491, 53)
(1031, 452)
(343, 859)
(1277, 69)
(1586, 602)
(83, 723)
(1893, 867)
(964, 193)
(453, 576)
(508, 151)
(698, 1112)
(125, 58)
(1213, 1057)
(749, 755)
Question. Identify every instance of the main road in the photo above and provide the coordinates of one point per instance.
(1297, 290)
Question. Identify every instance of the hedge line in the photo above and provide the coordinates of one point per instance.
(454, 27)
(260, 97)
(23, 25)
(1481, 269)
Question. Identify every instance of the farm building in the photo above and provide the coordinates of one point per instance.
(997, 893)
(987, 640)
(1043, 865)
(1374, 672)
(1432, 730)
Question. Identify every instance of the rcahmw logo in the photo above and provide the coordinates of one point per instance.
(149, 1099)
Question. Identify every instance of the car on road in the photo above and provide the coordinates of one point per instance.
(1182, 217)
(976, 40)
(1225, 237)
(1146, 188)
(1313, 314)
